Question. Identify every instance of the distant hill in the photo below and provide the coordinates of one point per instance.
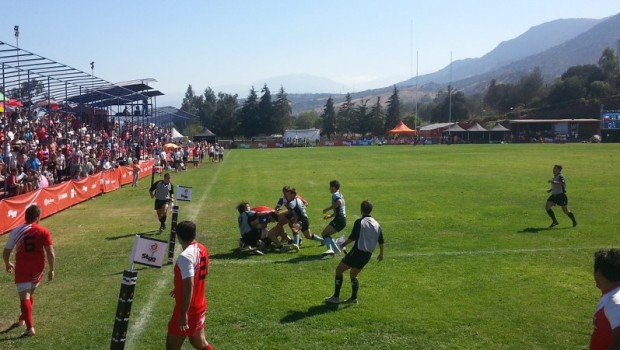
(585, 48)
(553, 47)
(302, 84)
(536, 40)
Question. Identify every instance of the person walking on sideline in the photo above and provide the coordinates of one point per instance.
(32, 243)
(558, 196)
(162, 191)
(367, 234)
(606, 321)
(135, 170)
(190, 308)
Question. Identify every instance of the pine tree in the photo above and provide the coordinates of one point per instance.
(282, 113)
(393, 111)
(329, 118)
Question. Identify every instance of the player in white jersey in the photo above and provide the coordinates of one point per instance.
(162, 191)
(558, 196)
(366, 234)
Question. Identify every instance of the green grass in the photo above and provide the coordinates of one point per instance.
(469, 261)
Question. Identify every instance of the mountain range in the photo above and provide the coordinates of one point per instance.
(552, 46)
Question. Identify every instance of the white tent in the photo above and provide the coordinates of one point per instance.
(177, 136)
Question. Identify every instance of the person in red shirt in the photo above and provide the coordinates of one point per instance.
(190, 272)
(606, 321)
(32, 243)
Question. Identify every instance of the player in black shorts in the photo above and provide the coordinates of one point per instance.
(366, 234)
(558, 196)
(162, 191)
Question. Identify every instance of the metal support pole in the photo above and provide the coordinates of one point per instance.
(123, 310)
(173, 233)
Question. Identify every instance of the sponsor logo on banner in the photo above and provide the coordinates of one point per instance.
(184, 193)
(84, 189)
(149, 251)
(12, 214)
(48, 201)
(62, 196)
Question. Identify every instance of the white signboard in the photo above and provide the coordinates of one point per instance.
(184, 193)
(149, 251)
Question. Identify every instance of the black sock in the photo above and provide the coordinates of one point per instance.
(551, 215)
(355, 286)
(337, 287)
(572, 216)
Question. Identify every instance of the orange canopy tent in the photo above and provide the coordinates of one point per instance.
(401, 128)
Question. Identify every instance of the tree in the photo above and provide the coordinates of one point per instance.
(376, 118)
(207, 109)
(26, 90)
(191, 103)
(344, 118)
(450, 109)
(329, 118)
(308, 120)
(265, 112)
(282, 112)
(572, 88)
(225, 121)
(586, 73)
(609, 63)
(393, 111)
(249, 121)
(361, 118)
(529, 87)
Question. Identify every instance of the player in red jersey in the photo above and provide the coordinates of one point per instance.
(606, 322)
(32, 243)
(190, 272)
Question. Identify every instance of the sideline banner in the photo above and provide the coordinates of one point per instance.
(62, 196)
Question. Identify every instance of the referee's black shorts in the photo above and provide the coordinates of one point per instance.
(160, 203)
(357, 258)
(558, 199)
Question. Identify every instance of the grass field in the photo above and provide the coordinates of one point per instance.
(469, 261)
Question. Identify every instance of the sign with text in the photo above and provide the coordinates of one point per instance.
(184, 193)
(148, 251)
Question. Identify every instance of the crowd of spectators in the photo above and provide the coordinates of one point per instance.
(41, 147)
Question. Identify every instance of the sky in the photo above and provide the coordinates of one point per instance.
(229, 45)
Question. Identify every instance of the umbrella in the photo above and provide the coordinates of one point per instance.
(11, 102)
(44, 103)
(171, 146)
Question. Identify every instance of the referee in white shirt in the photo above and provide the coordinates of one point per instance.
(366, 234)
(162, 191)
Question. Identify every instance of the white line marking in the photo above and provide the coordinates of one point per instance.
(136, 328)
(258, 260)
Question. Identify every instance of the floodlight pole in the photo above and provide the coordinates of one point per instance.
(92, 88)
(19, 83)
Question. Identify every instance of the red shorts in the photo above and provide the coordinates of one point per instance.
(196, 322)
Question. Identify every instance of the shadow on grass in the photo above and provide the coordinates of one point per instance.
(233, 254)
(10, 328)
(294, 316)
(539, 229)
(147, 233)
(298, 259)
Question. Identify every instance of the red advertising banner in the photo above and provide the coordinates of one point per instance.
(64, 195)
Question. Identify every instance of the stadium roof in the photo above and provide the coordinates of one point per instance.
(64, 83)
(169, 114)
